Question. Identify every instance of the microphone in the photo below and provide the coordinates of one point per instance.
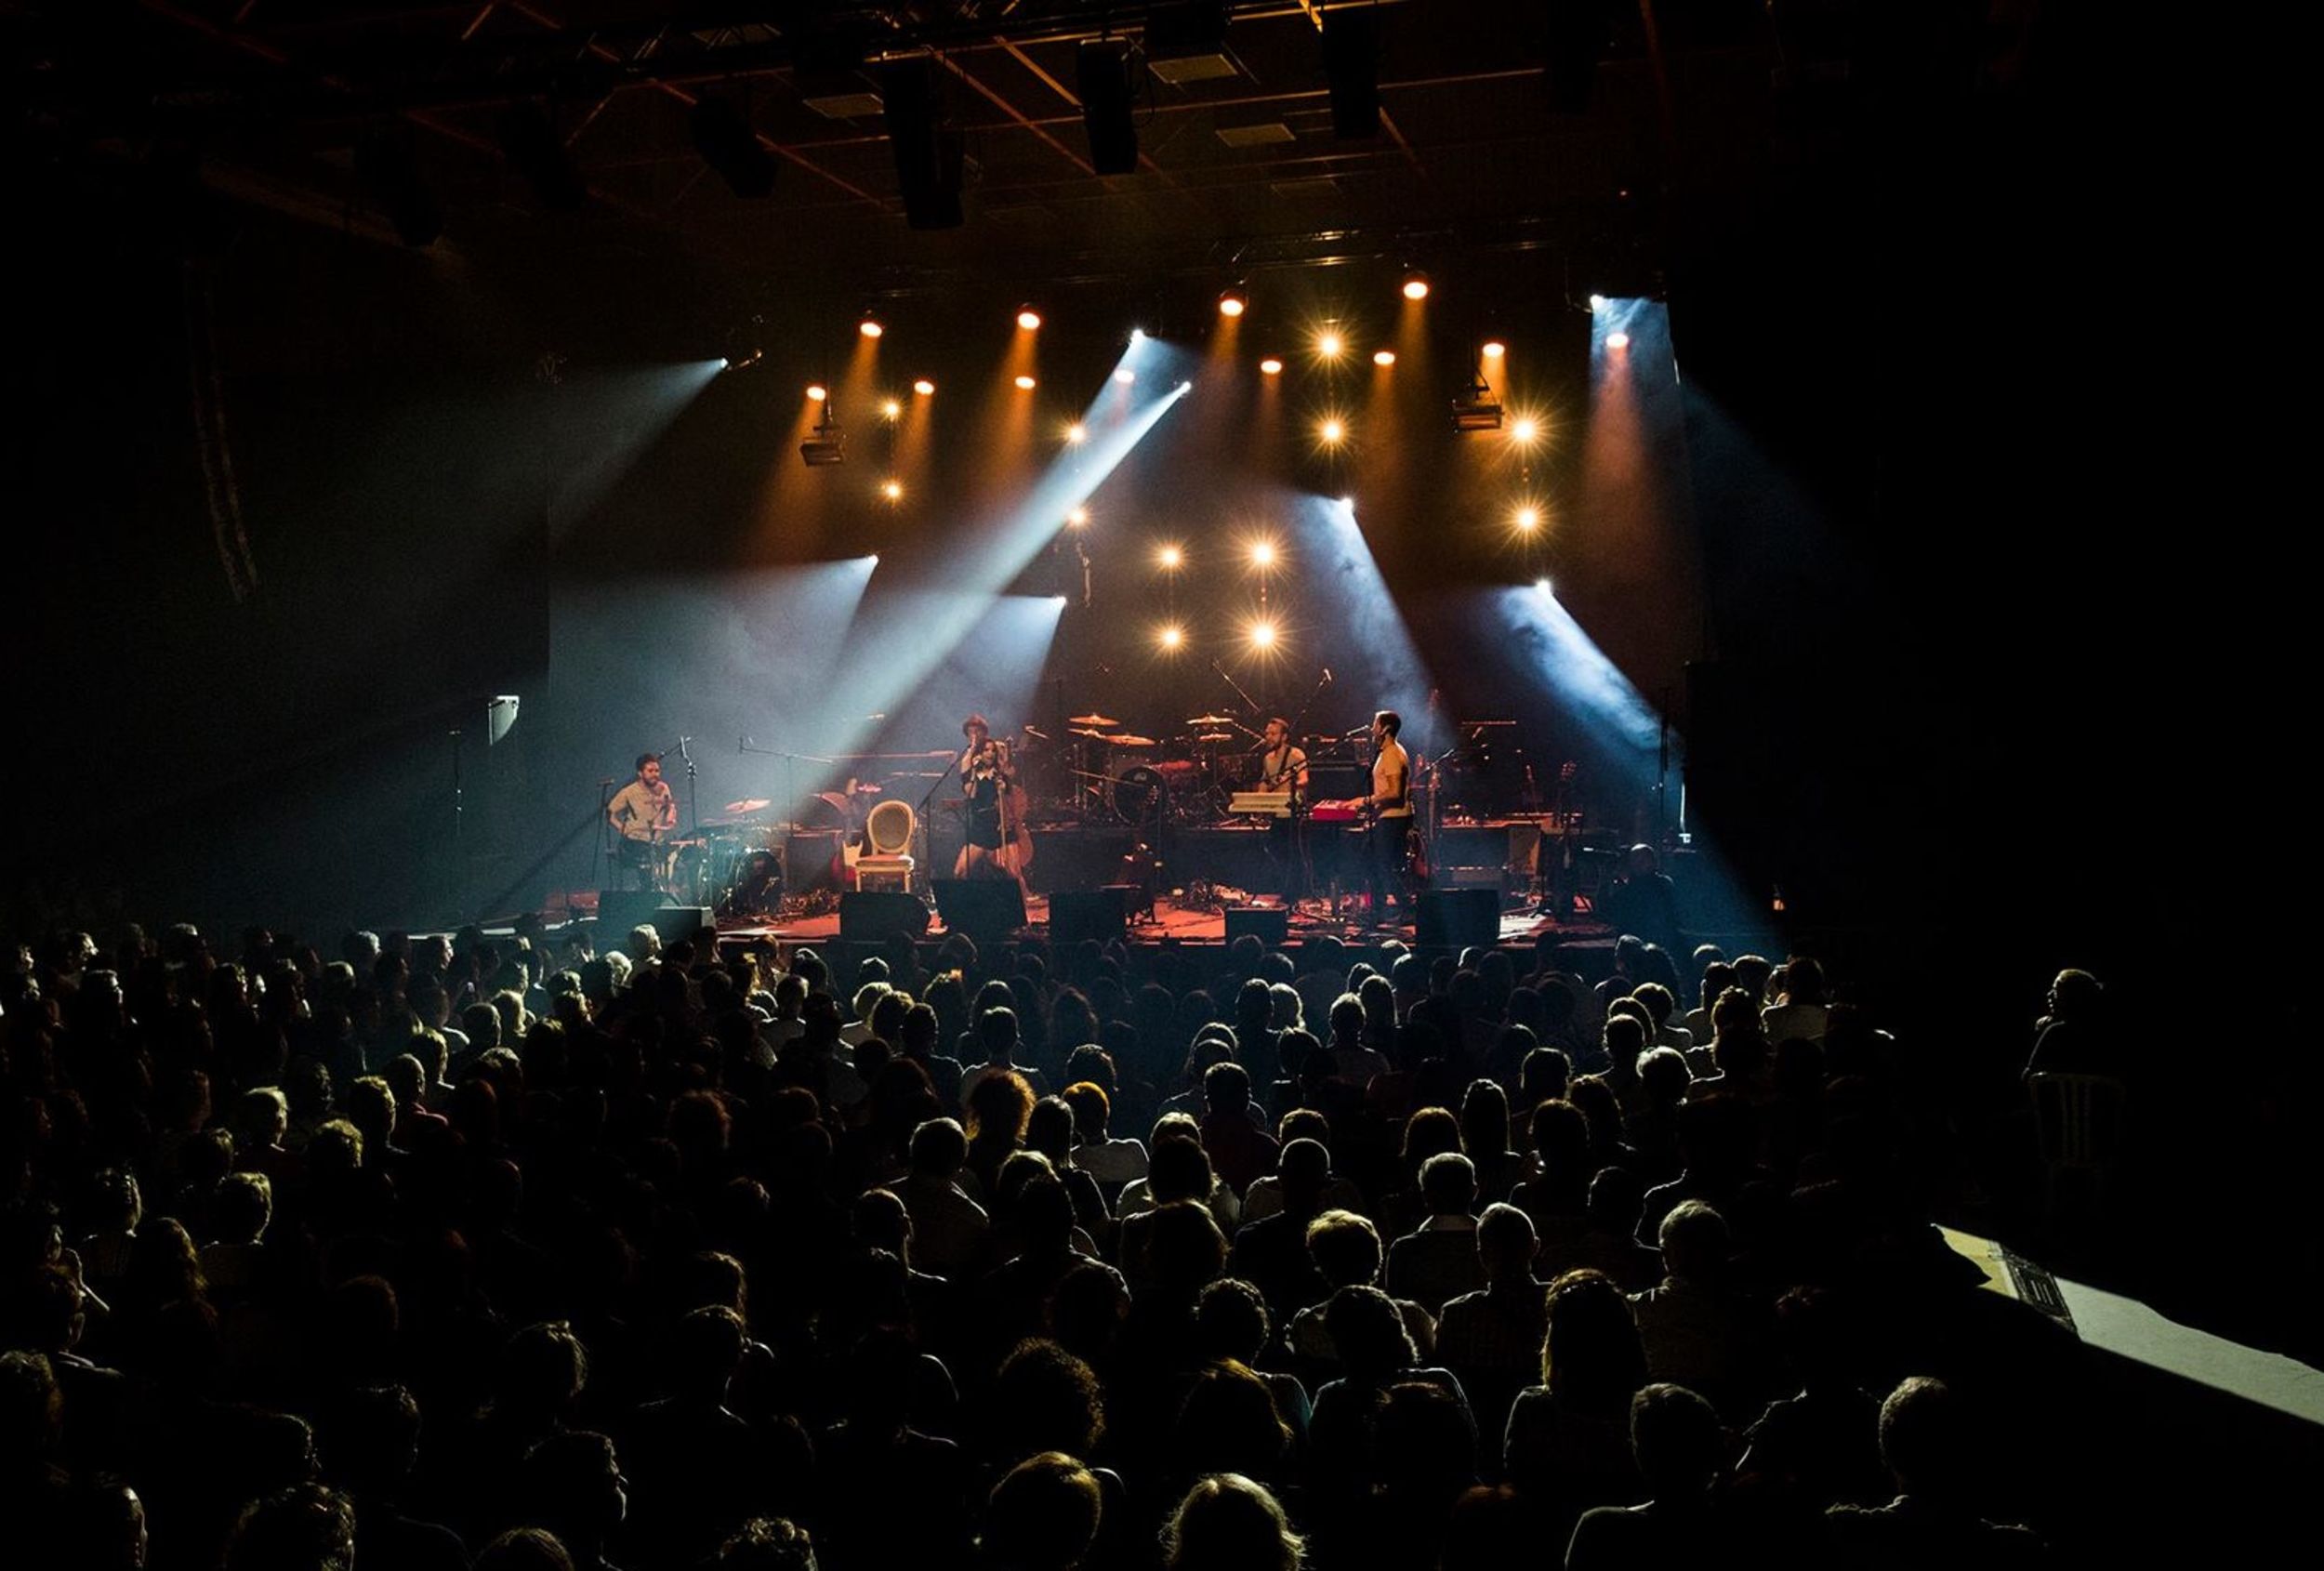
(1036, 735)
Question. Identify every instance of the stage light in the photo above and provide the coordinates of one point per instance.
(1271, 366)
(1543, 585)
(1263, 634)
(817, 392)
(893, 409)
(1415, 284)
(1029, 318)
(924, 387)
(892, 490)
(1170, 637)
(1348, 502)
(1262, 553)
(1597, 302)
(1331, 431)
(1079, 518)
(1026, 384)
(1077, 433)
(1527, 518)
(1493, 349)
(1329, 344)
(1169, 559)
(870, 326)
(1525, 429)
(1383, 356)
(1233, 300)
(1617, 340)
(1125, 375)
(1136, 335)
(1478, 410)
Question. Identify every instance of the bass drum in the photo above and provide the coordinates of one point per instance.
(753, 884)
(828, 811)
(1141, 796)
(1147, 794)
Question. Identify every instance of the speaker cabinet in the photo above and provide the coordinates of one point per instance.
(983, 908)
(1100, 913)
(1454, 918)
(874, 915)
(1268, 924)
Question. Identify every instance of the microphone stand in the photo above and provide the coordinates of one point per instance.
(928, 838)
(603, 847)
(790, 781)
(1249, 702)
(1305, 866)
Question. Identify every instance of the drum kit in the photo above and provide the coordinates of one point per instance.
(1146, 782)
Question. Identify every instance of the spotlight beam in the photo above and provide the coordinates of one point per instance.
(903, 647)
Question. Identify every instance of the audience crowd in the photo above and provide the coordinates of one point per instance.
(510, 1252)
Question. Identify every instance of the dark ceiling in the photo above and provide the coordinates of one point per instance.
(1502, 123)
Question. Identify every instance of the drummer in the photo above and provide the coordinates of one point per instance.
(641, 814)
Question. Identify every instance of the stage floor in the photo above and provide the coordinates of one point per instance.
(1172, 922)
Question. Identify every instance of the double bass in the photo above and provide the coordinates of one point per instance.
(1016, 841)
(989, 767)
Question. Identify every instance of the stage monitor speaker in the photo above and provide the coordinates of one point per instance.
(1268, 924)
(1454, 918)
(1078, 914)
(619, 910)
(983, 908)
(874, 915)
(680, 924)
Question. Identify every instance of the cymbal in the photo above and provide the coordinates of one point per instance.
(1090, 719)
(1212, 720)
(1131, 741)
(1216, 736)
(749, 804)
(1094, 735)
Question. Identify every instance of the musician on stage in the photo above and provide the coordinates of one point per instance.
(1391, 813)
(1283, 767)
(642, 813)
(988, 776)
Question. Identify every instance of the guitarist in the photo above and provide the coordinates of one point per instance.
(1391, 806)
(1283, 767)
(987, 778)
